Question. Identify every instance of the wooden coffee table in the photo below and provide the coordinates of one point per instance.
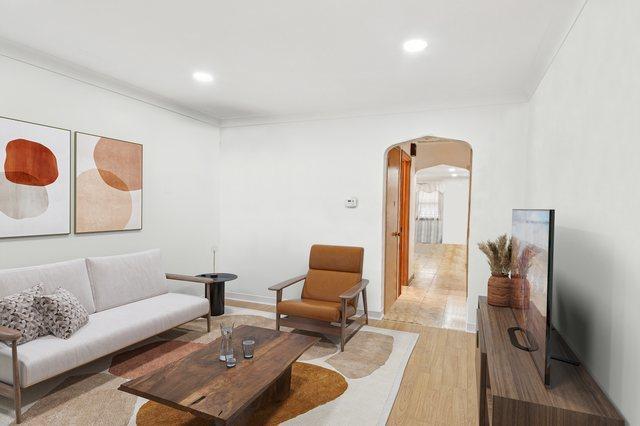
(202, 385)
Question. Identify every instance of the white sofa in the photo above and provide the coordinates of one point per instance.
(127, 298)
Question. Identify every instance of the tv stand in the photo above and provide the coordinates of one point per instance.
(515, 342)
(512, 392)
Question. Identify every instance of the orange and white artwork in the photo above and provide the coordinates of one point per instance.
(35, 179)
(108, 184)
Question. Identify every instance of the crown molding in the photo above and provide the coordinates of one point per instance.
(55, 65)
(515, 99)
(554, 45)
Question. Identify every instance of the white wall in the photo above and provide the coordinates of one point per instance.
(284, 185)
(181, 187)
(583, 161)
(455, 210)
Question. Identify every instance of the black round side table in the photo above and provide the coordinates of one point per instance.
(215, 291)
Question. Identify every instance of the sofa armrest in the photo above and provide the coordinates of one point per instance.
(9, 334)
(189, 278)
(285, 284)
(355, 290)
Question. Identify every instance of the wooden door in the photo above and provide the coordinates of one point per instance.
(392, 231)
(405, 197)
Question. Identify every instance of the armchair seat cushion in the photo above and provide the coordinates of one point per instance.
(314, 309)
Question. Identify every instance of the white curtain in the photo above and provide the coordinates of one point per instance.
(429, 213)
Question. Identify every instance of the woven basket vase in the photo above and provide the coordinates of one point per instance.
(500, 290)
(521, 293)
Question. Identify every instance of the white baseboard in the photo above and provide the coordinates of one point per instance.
(245, 297)
(376, 315)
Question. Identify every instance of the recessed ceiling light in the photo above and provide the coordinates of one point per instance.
(202, 77)
(414, 45)
(452, 169)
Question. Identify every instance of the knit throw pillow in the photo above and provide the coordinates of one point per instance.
(18, 312)
(62, 312)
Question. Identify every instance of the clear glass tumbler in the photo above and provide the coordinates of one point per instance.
(231, 360)
(248, 345)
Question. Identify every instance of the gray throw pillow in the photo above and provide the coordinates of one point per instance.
(18, 312)
(62, 312)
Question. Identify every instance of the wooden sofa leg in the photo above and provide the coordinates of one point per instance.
(17, 404)
(209, 322)
(17, 397)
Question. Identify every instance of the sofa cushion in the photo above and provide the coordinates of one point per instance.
(62, 314)
(18, 311)
(118, 280)
(71, 275)
(106, 332)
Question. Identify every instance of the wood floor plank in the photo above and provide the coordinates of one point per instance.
(439, 383)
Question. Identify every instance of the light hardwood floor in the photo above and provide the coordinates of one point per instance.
(436, 296)
(438, 387)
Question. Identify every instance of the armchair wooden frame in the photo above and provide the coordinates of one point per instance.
(9, 335)
(348, 326)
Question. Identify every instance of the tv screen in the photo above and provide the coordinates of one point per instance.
(532, 274)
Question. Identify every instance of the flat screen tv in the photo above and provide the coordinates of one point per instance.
(532, 273)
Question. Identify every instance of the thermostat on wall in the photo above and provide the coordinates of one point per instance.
(351, 203)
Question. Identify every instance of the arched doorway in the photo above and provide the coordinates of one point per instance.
(426, 231)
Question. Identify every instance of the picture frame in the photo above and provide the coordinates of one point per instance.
(35, 179)
(108, 184)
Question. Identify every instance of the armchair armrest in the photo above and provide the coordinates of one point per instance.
(355, 290)
(285, 284)
(189, 278)
(9, 334)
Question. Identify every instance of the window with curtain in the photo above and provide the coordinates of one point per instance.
(428, 205)
(429, 215)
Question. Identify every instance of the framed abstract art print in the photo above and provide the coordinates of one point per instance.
(35, 179)
(108, 184)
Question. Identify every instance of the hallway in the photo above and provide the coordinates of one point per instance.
(436, 297)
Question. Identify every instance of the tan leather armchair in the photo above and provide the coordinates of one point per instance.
(330, 294)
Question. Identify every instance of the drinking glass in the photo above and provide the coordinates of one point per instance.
(226, 332)
(248, 344)
(230, 360)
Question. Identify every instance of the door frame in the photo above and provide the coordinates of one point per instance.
(391, 240)
(424, 139)
(404, 219)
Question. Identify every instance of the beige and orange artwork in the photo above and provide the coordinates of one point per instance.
(108, 184)
(34, 179)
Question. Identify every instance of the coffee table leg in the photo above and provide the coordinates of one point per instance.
(282, 386)
(277, 392)
(217, 299)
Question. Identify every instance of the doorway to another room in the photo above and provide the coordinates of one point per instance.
(426, 232)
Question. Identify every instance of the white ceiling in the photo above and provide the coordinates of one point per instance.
(440, 172)
(283, 58)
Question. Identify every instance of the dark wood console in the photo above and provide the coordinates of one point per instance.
(511, 391)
